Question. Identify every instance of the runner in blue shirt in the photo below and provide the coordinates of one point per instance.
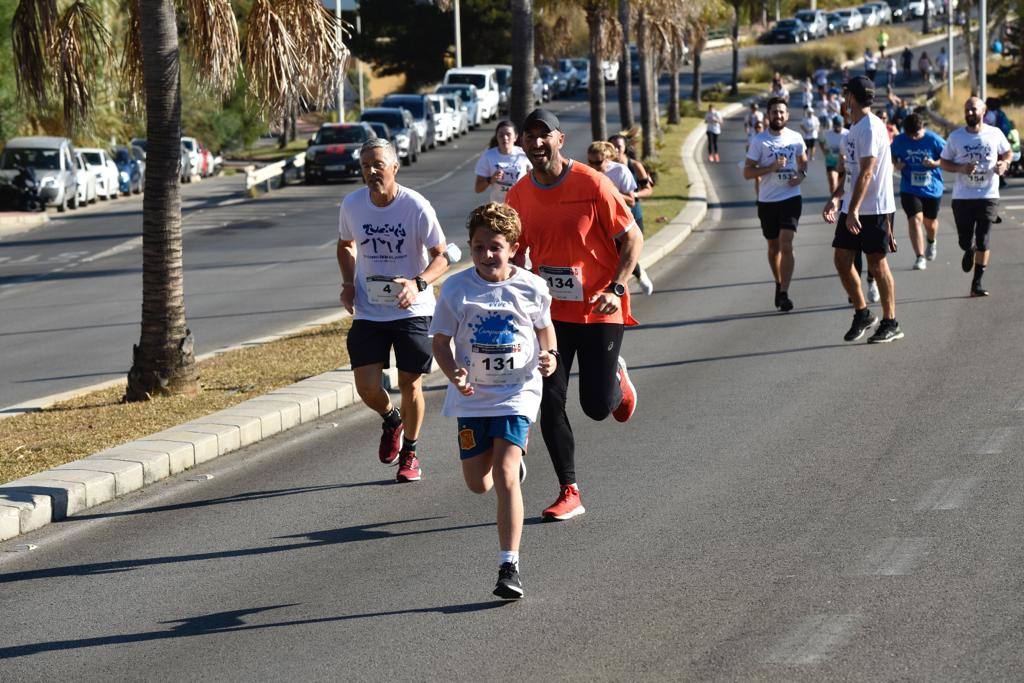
(915, 153)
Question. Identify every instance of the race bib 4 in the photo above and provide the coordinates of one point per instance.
(382, 290)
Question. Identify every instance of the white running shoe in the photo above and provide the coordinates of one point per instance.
(873, 295)
(646, 285)
(930, 251)
(920, 263)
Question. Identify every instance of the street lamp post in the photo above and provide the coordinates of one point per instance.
(982, 49)
(949, 49)
(341, 65)
(458, 36)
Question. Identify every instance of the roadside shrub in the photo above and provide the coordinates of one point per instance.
(718, 92)
(756, 71)
(689, 108)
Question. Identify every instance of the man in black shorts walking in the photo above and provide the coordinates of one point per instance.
(778, 156)
(865, 220)
(390, 248)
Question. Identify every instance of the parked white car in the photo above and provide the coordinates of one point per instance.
(916, 8)
(444, 119)
(851, 20)
(870, 15)
(191, 146)
(460, 112)
(104, 169)
(610, 69)
(485, 79)
(86, 181)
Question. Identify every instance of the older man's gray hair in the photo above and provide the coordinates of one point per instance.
(380, 143)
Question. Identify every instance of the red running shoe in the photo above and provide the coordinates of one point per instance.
(567, 506)
(390, 442)
(408, 467)
(629, 400)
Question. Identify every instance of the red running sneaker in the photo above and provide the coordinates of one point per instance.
(567, 506)
(629, 400)
(408, 467)
(390, 442)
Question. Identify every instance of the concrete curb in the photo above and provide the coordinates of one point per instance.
(14, 222)
(34, 501)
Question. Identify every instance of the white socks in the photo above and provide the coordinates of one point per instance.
(509, 556)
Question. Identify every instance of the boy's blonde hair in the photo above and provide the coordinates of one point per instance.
(605, 149)
(500, 219)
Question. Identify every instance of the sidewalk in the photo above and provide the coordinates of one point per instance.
(13, 222)
(39, 499)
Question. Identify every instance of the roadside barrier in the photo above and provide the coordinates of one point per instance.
(264, 177)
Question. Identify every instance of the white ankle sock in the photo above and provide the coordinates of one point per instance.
(508, 556)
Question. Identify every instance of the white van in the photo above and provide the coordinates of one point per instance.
(486, 81)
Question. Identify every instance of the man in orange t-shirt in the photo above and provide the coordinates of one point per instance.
(582, 239)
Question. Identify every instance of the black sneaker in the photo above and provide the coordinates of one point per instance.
(978, 290)
(785, 303)
(862, 321)
(778, 297)
(967, 262)
(509, 587)
(888, 330)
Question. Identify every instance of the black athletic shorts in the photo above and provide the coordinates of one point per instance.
(875, 235)
(974, 219)
(776, 216)
(914, 204)
(370, 342)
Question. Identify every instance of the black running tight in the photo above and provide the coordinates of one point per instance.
(596, 346)
(712, 143)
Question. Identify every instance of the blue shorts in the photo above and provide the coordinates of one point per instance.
(477, 434)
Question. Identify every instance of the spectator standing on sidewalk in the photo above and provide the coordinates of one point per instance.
(924, 66)
(390, 249)
(942, 63)
(979, 154)
(583, 241)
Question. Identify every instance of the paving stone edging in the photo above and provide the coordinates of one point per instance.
(34, 501)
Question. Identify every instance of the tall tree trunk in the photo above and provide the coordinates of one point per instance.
(973, 61)
(646, 104)
(926, 23)
(655, 111)
(522, 61)
(625, 86)
(695, 95)
(163, 360)
(735, 89)
(673, 88)
(596, 16)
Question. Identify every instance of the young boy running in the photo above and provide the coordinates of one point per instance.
(500, 318)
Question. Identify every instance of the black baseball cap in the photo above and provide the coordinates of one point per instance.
(542, 116)
(862, 88)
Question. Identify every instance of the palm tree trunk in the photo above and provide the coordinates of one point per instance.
(735, 89)
(163, 360)
(596, 16)
(646, 104)
(695, 96)
(673, 89)
(522, 60)
(625, 71)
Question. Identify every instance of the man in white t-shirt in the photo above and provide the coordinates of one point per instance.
(390, 248)
(865, 220)
(500, 167)
(821, 78)
(978, 154)
(778, 157)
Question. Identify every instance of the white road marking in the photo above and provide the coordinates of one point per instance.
(113, 251)
(1014, 207)
(232, 202)
(334, 242)
(815, 639)
(893, 557)
(993, 442)
(947, 494)
(446, 176)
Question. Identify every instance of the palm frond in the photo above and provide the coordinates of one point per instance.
(132, 80)
(270, 59)
(213, 43)
(33, 34)
(82, 42)
(318, 39)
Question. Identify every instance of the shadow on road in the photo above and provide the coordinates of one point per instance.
(316, 539)
(229, 622)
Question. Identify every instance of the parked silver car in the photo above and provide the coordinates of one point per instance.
(52, 159)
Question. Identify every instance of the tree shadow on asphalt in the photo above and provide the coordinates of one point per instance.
(315, 539)
(230, 622)
(759, 283)
(237, 498)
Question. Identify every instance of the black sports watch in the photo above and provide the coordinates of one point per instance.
(421, 284)
(616, 288)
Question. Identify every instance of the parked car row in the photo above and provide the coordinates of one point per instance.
(810, 24)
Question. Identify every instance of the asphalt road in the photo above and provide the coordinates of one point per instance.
(783, 506)
(70, 291)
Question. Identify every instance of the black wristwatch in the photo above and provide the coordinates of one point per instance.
(555, 353)
(617, 289)
(421, 284)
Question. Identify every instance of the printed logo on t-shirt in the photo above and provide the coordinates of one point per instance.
(978, 153)
(383, 242)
